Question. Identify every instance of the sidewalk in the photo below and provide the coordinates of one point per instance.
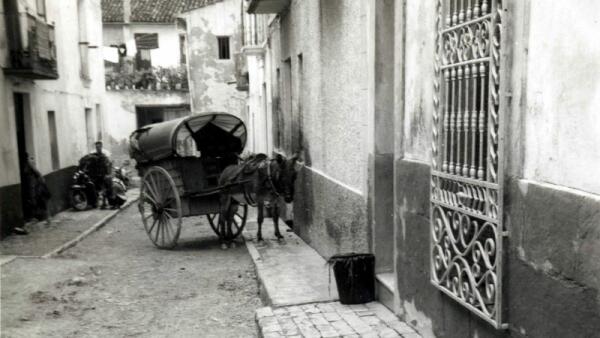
(65, 230)
(301, 295)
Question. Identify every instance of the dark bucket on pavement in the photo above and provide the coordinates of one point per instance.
(355, 277)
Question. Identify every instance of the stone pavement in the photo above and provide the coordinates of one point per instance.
(66, 226)
(290, 271)
(331, 320)
(296, 283)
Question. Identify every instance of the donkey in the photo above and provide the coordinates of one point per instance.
(261, 180)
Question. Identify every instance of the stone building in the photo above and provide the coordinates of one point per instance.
(455, 140)
(52, 80)
(146, 78)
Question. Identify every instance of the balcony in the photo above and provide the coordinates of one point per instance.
(32, 48)
(254, 30)
(267, 6)
(125, 77)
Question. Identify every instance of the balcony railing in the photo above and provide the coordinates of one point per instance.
(32, 48)
(124, 77)
(254, 29)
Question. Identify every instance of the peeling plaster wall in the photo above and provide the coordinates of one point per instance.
(212, 81)
(552, 261)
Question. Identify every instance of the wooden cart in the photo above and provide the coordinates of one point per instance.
(180, 162)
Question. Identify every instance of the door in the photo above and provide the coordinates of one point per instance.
(20, 100)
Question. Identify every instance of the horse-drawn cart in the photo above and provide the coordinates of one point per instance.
(180, 162)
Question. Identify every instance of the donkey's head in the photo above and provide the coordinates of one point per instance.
(284, 174)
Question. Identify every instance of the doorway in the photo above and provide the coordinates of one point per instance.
(22, 124)
(155, 114)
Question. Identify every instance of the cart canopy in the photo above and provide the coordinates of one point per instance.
(201, 135)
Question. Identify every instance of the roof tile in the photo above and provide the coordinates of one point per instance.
(159, 11)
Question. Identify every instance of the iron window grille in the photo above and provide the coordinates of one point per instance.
(467, 228)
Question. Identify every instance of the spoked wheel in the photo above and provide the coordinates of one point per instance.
(160, 207)
(79, 200)
(237, 225)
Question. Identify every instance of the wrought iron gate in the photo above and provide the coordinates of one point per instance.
(466, 181)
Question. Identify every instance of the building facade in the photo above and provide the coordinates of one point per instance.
(456, 141)
(214, 35)
(254, 77)
(52, 80)
(146, 66)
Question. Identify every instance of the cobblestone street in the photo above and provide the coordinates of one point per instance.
(332, 320)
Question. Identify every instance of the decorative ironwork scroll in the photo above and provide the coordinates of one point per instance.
(466, 181)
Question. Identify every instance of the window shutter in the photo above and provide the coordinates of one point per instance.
(146, 41)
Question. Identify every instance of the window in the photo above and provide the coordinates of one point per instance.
(143, 59)
(182, 50)
(144, 43)
(84, 70)
(89, 127)
(41, 8)
(53, 140)
(223, 43)
(99, 122)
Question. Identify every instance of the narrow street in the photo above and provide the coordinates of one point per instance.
(115, 283)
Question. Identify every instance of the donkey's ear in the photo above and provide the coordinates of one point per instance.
(297, 156)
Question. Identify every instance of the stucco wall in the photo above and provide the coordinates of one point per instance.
(563, 95)
(418, 81)
(323, 46)
(259, 136)
(212, 81)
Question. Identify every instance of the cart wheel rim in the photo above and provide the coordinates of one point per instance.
(213, 221)
(237, 225)
(79, 201)
(160, 208)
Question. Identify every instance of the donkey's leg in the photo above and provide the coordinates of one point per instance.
(259, 220)
(223, 218)
(275, 211)
(230, 213)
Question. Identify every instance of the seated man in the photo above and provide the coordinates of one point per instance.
(98, 167)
